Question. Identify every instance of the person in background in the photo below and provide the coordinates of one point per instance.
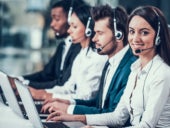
(58, 70)
(87, 67)
(108, 23)
(146, 99)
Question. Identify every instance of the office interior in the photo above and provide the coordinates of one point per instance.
(26, 40)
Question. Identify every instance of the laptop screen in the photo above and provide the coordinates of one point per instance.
(28, 104)
(9, 94)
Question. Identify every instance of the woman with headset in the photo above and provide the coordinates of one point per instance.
(146, 99)
(87, 67)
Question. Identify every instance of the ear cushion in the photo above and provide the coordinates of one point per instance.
(118, 35)
(157, 40)
(88, 32)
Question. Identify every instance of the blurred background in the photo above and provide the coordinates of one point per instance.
(26, 39)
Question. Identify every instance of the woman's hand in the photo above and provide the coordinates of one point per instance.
(60, 116)
(40, 94)
(54, 106)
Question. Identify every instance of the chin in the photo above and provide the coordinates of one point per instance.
(60, 36)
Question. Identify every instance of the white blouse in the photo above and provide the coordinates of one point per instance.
(85, 77)
(150, 100)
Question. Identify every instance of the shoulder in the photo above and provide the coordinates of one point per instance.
(160, 71)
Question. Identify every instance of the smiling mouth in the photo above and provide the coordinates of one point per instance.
(138, 44)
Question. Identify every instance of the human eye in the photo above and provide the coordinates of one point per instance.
(55, 17)
(144, 32)
(131, 31)
(100, 33)
(74, 26)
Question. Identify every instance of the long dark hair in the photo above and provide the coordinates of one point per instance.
(153, 15)
(82, 10)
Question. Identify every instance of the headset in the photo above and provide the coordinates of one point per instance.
(157, 39)
(88, 30)
(70, 12)
(118, 34)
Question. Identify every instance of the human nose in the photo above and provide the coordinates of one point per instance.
(135, 37)
(52, 24)
(69, 30)
(94, 38)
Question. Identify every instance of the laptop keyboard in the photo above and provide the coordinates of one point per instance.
(54, 125)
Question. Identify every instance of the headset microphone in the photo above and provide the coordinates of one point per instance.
(101, 48)
(57, 33)
(141, 50)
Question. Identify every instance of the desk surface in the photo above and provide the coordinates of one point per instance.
(9, 119)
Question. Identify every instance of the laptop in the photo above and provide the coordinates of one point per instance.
(2, 97)
(32, 113)
(9, 95)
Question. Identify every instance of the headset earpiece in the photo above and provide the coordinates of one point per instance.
(69, 14)
(88, 31)
(118, 34)
(157, 39)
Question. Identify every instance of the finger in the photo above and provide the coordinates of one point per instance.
(52, 115)
(49, 100)
(45, 101)
(51, 109)
(45, 108)
(87, 126)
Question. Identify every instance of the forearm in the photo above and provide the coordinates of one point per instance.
(80, 118)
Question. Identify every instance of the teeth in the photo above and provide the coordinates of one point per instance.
(138, 44)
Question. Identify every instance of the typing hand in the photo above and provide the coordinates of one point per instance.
(56, 99)
(58, 116)
(39, 94)
(87, 126)
(54, 106)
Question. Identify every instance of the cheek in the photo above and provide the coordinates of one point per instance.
(78, 36)
(149, 41)
(130, 38)
(62, 26)
(80, 33)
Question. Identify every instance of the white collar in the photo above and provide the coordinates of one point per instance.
(68, 41)
(118, 56)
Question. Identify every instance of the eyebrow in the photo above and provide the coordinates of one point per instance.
(141, 28)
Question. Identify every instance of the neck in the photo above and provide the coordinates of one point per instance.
(116, 50)
(145, 59)
(85, 43)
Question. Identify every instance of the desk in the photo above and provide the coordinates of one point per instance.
(8, 119)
